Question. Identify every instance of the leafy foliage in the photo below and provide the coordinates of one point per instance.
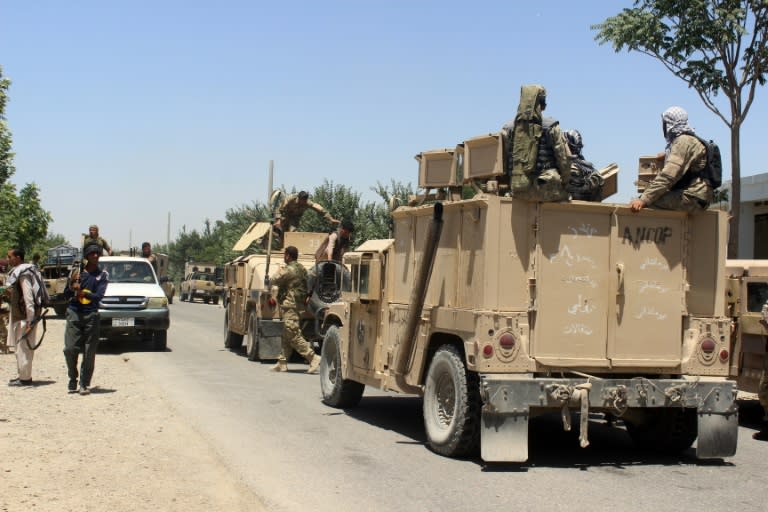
(6, 155)
(715, 46)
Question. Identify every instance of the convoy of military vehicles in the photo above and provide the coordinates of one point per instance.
(496, 310)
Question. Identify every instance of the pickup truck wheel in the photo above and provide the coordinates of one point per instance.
(252, 339)
(159, 341)
(206, 300)
(60, 309)
(337, 391)
(668, 431)
(451, 405)
(215, 300)
(232, 340)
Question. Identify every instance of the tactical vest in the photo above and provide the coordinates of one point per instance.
(545, 157)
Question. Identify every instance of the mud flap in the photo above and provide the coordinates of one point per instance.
(270, 334)
(717, 435)
(504, 436)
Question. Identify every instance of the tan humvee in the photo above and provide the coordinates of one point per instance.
(497, 310)
(252, 311)
(200, 282)
(747, 295)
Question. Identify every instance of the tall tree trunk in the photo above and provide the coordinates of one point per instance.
(733, 237)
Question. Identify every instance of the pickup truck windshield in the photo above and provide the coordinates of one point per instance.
(129, 271)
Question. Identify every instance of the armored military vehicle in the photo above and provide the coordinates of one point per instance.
(55, 272)
(496, 310)
(747, 296)
(200, 282)
(252, 312)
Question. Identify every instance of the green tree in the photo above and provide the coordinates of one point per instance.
(712, 45)
(6, 155)
(23, 222)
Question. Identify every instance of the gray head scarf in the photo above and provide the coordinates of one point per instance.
(674, 121)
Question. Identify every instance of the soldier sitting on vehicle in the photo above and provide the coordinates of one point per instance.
(537, 154)
(585, 183)
(679, 185)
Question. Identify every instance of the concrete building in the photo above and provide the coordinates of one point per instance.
(753, 222)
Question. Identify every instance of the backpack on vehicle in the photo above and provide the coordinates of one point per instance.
(713, 170)
(522, 137)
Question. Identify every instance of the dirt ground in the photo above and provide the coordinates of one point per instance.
(122, 448)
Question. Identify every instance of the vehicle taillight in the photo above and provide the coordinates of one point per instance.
(708, 345)
(272, 302)
(487, 351)
(724, 355)
(507, 341)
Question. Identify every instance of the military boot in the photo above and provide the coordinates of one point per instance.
(314, 364)
(281, 366)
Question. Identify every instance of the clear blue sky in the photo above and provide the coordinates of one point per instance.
(123, 112)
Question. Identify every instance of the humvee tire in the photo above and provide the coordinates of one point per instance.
(337, 392)
(668, 431)
(451, 405)
(60, 309)
(232, 340)
(251, 340)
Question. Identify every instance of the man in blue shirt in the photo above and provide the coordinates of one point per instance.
(85, 289)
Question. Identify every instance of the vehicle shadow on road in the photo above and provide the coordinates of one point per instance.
(123, 344)
(549, 445)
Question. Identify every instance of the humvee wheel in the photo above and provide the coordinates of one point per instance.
(451, 405)
(232, 340)
(60, 309)
(252, 340)
(215, 300)
(668, 431)
(206, 299)
(337, 391)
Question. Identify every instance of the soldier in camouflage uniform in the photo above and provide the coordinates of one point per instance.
(679, 185)
(4, 312)
(292, 290)
(538, 159)
(293, 207)
(762, 389)
(94, 238)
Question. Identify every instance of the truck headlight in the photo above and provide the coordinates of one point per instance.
(157, 302)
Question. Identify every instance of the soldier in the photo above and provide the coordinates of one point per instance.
(536, 150)
(94, 238)
(4, 311)
(679, 185)
(22, 288)
(762, 390)
(146, 252)
(292, 290)
(335, 244)
(585, 183)
(85, 290)
(293, 207)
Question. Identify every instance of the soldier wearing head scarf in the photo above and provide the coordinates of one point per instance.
(679, 185)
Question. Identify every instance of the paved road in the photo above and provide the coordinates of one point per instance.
(298, 454)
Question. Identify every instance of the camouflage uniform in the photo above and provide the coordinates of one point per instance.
(4, 312)
(292, 288)
(537, 152)
(291, 210)
(668, 191)
(88, 240)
